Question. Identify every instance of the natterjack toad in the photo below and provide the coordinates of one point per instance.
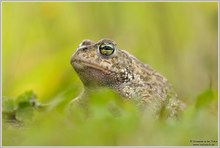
(102, 64)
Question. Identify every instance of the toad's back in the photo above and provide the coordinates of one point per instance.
(102, 64)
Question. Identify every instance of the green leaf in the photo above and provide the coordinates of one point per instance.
(27, 97)
(8, 105)
(21, 109)
(24, 113)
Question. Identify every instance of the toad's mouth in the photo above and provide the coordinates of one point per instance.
(80, 65)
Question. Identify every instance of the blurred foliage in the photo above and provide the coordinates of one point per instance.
(178, 39)
(20, 109)
(60, 126)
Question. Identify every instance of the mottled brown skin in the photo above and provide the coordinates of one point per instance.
(127, 76)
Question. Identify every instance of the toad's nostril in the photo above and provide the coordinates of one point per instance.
(81, 48)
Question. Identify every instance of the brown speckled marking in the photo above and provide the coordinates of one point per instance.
(126, 75)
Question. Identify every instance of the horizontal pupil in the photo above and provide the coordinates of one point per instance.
(107, 48)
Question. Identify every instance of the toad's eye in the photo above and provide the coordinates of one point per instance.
(106, 49)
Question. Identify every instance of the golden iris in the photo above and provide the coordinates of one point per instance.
(106, 49)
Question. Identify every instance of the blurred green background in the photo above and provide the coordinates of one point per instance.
(178, 39)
